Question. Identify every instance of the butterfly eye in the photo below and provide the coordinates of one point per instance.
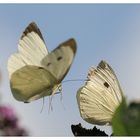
(49, 64)
(59, 58)
(106, 84)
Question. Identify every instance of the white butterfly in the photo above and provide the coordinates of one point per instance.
(100, 96)
(35, 73)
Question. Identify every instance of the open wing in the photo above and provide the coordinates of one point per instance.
(100, 96)
(31, 49)
(58, 62)
(33, 72)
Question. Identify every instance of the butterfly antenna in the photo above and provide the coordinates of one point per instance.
(42, 105)
(74, 80)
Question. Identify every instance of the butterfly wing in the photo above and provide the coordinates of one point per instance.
(25, 65)
(100, 96)
(31, 82)
(27, 69)
(58, 62)
(31, 49)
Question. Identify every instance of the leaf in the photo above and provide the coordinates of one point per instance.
(132, 119)
(126, 119)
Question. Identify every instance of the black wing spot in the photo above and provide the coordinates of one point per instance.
(106, 84)
(49, 64)
(59, 58)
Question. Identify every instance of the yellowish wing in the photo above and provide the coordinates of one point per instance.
(100, 96)
(31, 83)
(58, 62)
(31, 49)
(33, 72)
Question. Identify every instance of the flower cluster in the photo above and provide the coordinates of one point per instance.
(9, 123)
(78, 130)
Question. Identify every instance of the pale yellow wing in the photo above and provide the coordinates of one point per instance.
(32, 63)
(31, 83)
(58, 62)
(31, 49)
(100, 96)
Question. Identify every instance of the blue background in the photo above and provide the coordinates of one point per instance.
(102, 31)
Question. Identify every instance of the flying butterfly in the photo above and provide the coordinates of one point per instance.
(33, 71)
(100, 96)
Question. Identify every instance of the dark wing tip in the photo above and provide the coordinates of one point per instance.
(72, 43)
(32, 27)
(103, 64)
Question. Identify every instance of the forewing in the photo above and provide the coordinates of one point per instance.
(100, 96)
(58, 62)
(31, 49)
(110, 80)
(31, 83)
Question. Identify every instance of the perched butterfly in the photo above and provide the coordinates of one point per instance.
(35, 73)
(100, 96)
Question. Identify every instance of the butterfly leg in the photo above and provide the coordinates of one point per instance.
(50, 101)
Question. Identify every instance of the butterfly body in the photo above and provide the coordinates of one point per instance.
(33, 71)
(100, 96)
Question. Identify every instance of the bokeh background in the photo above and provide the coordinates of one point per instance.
(102, 31)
